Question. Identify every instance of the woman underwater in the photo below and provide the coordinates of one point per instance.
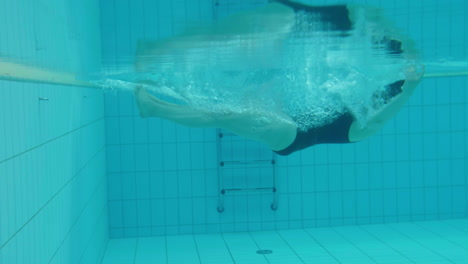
(349, 55)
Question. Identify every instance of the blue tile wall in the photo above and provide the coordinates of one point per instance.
(162, 177)
(53, 182)
(54, 190)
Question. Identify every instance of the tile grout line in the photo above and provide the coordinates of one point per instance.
(166, 249)
(258, 246)
(136, 176)
(196, 249)
(136, 250)
(322, 246)
(120, 160)
(442, 237)
(383, 242)
(99, 186)
(103, 213)
(286, 242)
(50, 200)
(50, 140)
(227, 247)
(419, 243)
(353, 244)
(311, 192)
(269, 222)
(454, 226)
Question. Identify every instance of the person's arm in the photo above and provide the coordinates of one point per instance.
(359, 132)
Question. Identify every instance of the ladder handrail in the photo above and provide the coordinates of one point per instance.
(223, 163)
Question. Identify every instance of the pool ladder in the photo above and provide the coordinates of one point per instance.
(266, 161)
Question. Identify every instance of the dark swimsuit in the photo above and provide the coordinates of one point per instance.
(335, 132)
(338, 130)
(337, 19)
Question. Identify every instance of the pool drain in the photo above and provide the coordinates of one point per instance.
(264, 251)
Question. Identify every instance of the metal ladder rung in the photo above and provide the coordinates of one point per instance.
(221, 164)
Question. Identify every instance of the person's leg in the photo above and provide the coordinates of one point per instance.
(151, 106)
(276, 131)
(252, 26)
(358, 132)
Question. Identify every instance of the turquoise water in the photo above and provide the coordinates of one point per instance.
(79, 166)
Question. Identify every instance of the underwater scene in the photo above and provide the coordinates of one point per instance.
(233, 131)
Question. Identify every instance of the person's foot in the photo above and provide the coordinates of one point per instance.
(414, 72)
(142, 100)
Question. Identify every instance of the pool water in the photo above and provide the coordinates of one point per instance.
(85, 179)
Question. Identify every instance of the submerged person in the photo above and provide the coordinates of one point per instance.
(280, 130)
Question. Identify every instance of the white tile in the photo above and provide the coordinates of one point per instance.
(271, 240)
(370, 245)
(213, 249)
(181, 249)
(243, 248)
(403, 244)
(151, 250)
(341, 249)
(306, 247)
(437, 244)
(461, 224)
(120, 251)
(397, 243)
(447, 231)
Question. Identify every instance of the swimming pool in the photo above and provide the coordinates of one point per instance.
(80, 168)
